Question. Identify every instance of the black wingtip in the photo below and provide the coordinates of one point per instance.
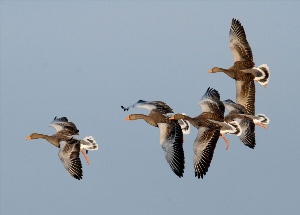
(125, 109)
(228, 101)
(199, 175)
(213, 93)
(78, 177)
(61, 119)
(236, 21)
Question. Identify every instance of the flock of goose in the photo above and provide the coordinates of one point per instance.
(211, 123)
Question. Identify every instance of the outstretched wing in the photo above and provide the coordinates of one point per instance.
(204, 147)
(69, 156)
(245, 128)
(247, 134)
(157, 106)
(171, 143)
(238, 43)
(245, 95)
(62, 123)
(232, 106)
(211, 103)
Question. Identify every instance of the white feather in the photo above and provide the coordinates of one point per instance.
(238, 125)
(185, 125)
(89, 143)
(260, 118)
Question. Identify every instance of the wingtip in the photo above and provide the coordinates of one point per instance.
(125, 109)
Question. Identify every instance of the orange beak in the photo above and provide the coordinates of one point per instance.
(210, 71)
(28, 138)
(172, 117)
(127, 118)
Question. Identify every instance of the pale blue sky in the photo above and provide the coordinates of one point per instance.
(85, 59)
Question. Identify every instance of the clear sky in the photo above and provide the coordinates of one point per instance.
(84, 59)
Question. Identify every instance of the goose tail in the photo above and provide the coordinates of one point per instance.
(262, 118)
(264, 69)
(89, 143)
(185, 125)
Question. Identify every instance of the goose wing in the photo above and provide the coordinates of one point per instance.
(157, 106)
(232, 106)
(248, 132)
(246, 129)
(238, 44)
(245, 95)
(62, 123)
(171, 139)
(210, 102)
(204, 147)
(69, 156)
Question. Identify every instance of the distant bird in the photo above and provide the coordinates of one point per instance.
(70, 147)
(171, 136)
(208, 131)
(243, 70)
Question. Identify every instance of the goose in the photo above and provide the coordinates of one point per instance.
(245, 128)
(243, 70)
(63, 125)
(70, 147)
(242, 125)
(258, 119)
(171, 136)
(208, 131)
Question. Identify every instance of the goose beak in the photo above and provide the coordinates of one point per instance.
(127, 118)
(171, 118)
(28, 138)
(210, 71)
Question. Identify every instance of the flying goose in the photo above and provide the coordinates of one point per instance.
(171, 136)
(69, 128)
(243, 70)
(245, 128)
(70, 147)
(258, 119)
(208, 131)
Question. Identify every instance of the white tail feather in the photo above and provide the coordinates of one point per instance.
(185, 125)
(226, 127)
(264, 69)
(261, 118)
(89, 143)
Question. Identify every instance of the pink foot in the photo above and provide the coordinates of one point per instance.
(85, 156)
(226, 141)
(262, 125)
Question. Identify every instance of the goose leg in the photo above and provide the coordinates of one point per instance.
(85, 156)
(226, 141)
(262, 125)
